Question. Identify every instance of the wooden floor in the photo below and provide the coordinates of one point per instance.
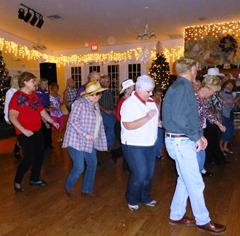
(48, 211)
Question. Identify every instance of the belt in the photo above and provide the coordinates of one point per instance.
(176, 135)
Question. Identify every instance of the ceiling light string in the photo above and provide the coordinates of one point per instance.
(140, 54)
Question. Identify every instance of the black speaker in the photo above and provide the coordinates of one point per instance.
(48, 71)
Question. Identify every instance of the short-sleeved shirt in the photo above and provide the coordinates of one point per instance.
(56, 105)
(133, 109)
(29, 107)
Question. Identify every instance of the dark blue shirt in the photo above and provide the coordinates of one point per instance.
(180, 110)
(43, 94)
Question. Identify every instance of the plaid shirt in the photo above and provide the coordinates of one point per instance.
(81, 122)
(106, 100)
(71, 95)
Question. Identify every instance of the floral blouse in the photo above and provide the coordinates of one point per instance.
(215, 105)
(204, 113)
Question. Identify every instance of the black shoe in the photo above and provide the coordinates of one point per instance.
(40, 183)
(207, 174)
(98, 164)
(18, 188)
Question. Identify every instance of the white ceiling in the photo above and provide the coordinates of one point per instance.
(109, 22)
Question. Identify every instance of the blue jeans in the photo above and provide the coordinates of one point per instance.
(78, 158)
(189, 183)
(228, 134)
(141, 162)
(159, 142)
(109, 122)
(201, 156)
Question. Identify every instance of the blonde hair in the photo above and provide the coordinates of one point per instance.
(183, 65)
(212, 82)
(14, 82)
(69, 80)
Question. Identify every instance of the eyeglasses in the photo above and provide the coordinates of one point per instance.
(149, 92)
(97, 94)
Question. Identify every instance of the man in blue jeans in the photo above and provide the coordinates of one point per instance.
(183, 141)
(106, 104)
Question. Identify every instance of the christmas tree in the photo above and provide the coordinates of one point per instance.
(160, 71)
(4, 85)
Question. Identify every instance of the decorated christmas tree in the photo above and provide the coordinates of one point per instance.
(4, 85)
(160, 71)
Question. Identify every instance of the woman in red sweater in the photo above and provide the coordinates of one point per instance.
(25, 113)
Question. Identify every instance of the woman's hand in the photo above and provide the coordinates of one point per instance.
(27, 132)
(56, 125)
(89, 137)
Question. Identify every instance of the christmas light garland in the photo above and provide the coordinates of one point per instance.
(20, 51)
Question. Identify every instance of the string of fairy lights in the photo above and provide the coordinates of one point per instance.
(213, 30)
(20, 51)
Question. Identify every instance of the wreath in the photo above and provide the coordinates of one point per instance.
(228, 44)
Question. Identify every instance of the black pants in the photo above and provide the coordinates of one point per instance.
(213, 150)
(33, 155)
(47, 134)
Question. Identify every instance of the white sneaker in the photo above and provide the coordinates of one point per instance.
(133, 207)
(153, 203)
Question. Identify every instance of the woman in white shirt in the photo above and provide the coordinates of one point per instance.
(139, 123)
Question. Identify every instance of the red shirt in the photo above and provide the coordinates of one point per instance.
(120, 102)
(29, 107)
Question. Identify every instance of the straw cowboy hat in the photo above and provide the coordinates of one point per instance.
(214, 71)
(92, 88)
(126, 84)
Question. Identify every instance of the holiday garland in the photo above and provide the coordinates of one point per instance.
(228, 43)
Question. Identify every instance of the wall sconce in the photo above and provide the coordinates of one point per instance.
(27, 14)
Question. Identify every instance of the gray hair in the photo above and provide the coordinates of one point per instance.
(143, 82)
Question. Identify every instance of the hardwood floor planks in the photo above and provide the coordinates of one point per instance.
(48, 211)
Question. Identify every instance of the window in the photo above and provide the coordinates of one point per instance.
(94, 68)
(77, 76)
(134, 70)
(113, 72)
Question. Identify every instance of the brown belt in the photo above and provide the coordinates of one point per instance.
(176, 135)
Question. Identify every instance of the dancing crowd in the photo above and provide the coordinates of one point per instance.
(192, 119)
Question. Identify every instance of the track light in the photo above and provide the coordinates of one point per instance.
(34, 20)
(21, 13)
(40, 22)
(28, 16)
(31, 16)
